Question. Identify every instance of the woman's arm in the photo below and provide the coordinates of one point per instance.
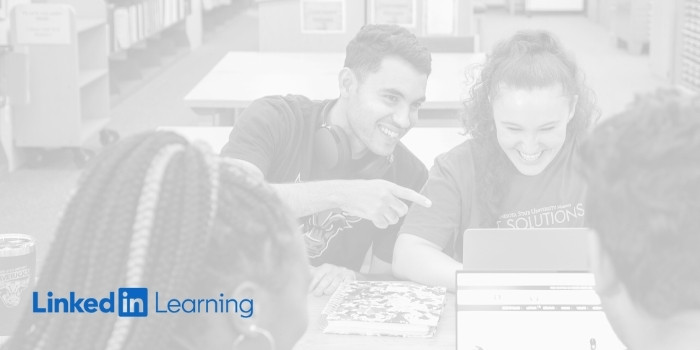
(423, 261)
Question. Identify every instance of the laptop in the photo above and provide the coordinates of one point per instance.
(540, 249)
(531, 310)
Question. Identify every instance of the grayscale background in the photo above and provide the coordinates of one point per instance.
(625, 47)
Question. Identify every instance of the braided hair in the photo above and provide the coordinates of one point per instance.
(154, 210)
(527, 60)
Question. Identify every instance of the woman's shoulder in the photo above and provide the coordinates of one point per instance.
(458, 154)
(460, 158)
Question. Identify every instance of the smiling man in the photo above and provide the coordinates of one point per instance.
(339, 163)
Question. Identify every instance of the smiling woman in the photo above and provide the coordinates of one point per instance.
(531, 125)
(525, 115)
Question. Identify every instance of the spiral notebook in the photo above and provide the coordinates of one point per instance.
(384, 308)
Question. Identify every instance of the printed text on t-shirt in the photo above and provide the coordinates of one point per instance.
(555, 215)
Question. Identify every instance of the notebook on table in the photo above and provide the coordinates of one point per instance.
(531, 310)
(390, 308)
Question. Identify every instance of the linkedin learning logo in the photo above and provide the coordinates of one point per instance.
(131, 302)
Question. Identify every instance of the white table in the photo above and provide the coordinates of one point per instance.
(426, 143)
(241, 77)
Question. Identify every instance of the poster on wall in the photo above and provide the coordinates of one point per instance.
(399, 12)
(3, 10)
(38, 24)
(440, 17)
(323, 16)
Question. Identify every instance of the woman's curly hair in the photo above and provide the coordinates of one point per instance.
(527, 60)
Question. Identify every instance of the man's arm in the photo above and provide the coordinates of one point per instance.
(379, 201)
(422, 261)
(376, 200)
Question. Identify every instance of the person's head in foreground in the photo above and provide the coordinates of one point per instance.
(155, 211)
(528, 103)
(382, 85)
(643, 173)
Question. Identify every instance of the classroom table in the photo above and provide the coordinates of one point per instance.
(241, 77)
(425, 142)
(315, 339)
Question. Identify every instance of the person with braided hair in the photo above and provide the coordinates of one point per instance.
(643, 173)
(524, 117)
(155, 211)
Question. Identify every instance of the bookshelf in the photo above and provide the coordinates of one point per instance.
(687, 53)
(68, 76)
(145, 36)
(136, 21)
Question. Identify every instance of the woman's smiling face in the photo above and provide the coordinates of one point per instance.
(531, 125)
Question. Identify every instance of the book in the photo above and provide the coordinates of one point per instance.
(387, 308)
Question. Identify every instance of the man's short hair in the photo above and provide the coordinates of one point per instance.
(643, 170)
(374, 42)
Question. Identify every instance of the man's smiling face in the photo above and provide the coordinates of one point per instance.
(383, 106)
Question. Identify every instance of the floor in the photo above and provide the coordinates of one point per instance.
(31, 200)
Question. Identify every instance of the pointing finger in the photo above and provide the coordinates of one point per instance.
(411, 195)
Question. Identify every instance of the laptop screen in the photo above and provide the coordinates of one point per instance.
(541, 249)
(531, 310)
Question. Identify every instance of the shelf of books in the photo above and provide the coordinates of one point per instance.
(688, 48)
(145, 36)
(135, 21)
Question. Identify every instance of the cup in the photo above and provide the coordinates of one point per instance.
(17, 266)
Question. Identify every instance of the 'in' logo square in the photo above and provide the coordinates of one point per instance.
(133, 302)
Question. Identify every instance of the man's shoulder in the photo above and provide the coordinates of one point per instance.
(288, 103)
(282, 112)
(292, 107)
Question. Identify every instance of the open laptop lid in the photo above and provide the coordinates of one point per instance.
(541, 249)
(530, 310)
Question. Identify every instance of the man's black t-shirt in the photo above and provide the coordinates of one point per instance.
(276, 134)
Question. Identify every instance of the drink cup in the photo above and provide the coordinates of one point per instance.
(17, 266)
